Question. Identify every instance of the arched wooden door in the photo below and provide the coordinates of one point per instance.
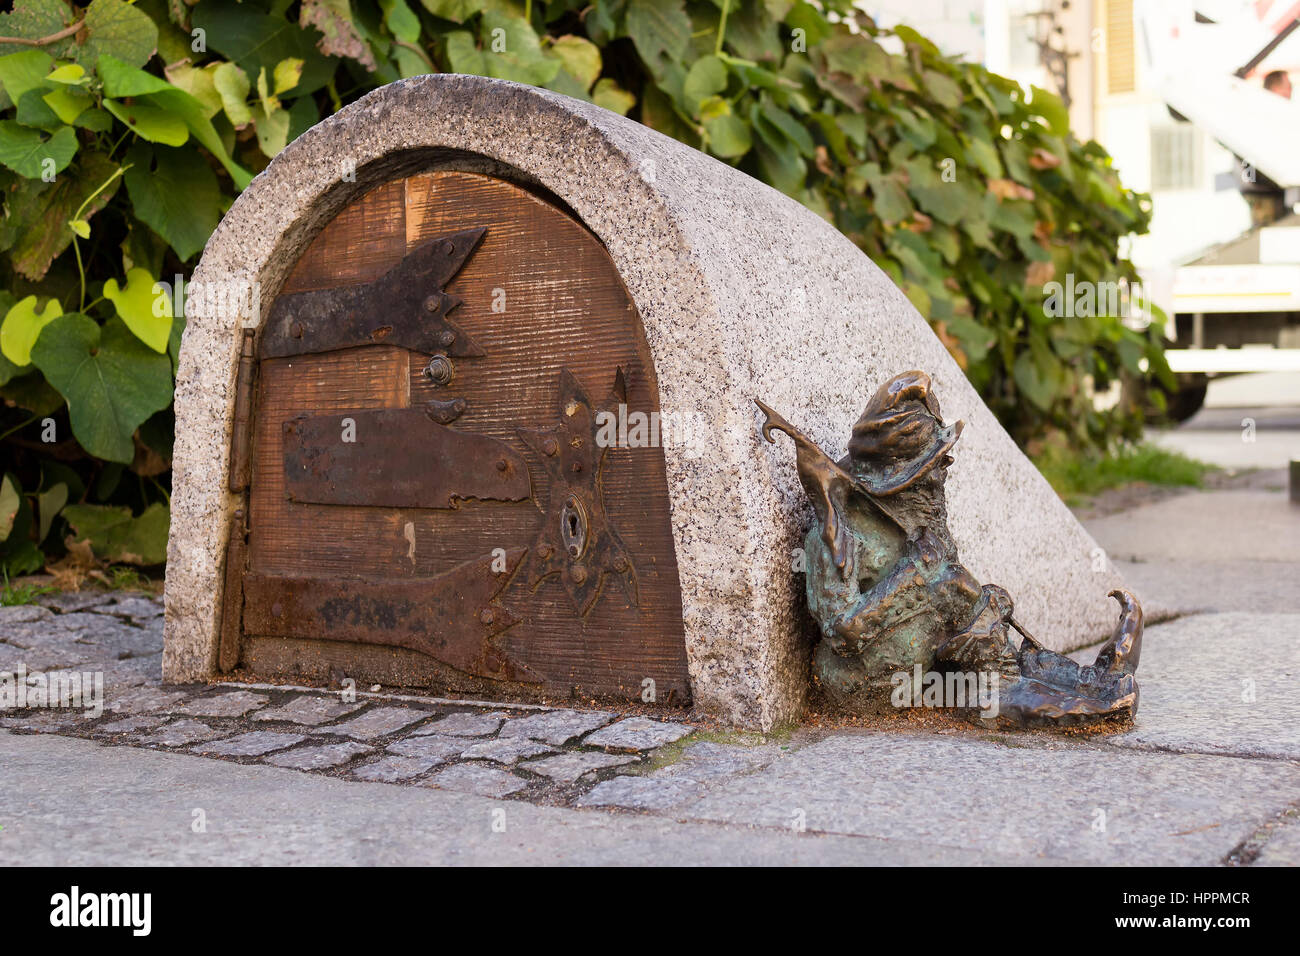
(430, 501)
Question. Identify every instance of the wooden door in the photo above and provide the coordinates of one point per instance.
(430, 503)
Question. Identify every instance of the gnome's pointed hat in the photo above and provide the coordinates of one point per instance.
(900, 437)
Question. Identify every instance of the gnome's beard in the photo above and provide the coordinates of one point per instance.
(922, 507)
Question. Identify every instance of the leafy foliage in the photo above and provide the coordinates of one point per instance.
(126, 129)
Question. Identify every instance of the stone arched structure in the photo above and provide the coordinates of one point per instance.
(742, 292)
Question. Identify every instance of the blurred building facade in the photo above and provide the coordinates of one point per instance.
(1088, 51)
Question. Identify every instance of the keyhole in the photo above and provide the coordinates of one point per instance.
(573, 527)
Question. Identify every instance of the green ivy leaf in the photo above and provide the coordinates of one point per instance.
(29, 154)
(579, 58)
(512, 51)
(611, 96)
(116, 536)
(400, 20)
(661, 32)
(48, 505)
(35, 205)
(272, 127)
(21, 72)
(707, 77)
(22, 325)
(199, 83)
(34, 20)
(175, 193)
(147, 314)
(463, 54)
(68, 104)
(287, 73)
(117, 29)
(258, 42)
(110, 379)
(728, 136)
(457, 11)
(153, 123)
(232, 86)
(11, 500)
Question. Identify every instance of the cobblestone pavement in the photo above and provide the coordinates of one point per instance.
(545, 755)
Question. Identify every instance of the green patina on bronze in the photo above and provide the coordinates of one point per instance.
(893, 600)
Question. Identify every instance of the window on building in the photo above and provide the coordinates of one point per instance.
(1175, 157)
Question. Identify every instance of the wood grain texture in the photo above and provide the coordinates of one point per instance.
(541, 295)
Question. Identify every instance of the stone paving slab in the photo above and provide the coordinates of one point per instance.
(642, 793)
(319, 758)
(252, 744)
(179, 733)
(230, 704)
(395, 769)
(476, 778)
(506, 750)
(1220, 684)
(309, 710)
(376, 722)
(571, 767)
(465, 724)
(1035, 800)
(557, 727)
(1217, 526)
(429, 746)
(1198, 586)
(128, 725)
(638, 733)
(135, 807)
(1283, 847)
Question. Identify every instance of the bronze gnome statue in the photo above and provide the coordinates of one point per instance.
(896, 607)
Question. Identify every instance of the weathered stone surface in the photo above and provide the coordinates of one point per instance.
(309, 710)
(142, 699)
(570, 767)
(1220, 684)
(319, 758)
(642, 793)
(22, 614)
(1043, 799)
(44, 721)
(506, 750)
(128, 725)
(138, 608)
(395, 769)
(113, 638)
(67, 602)
(466, 724)
(431, 747)
(690, 236)
(638, 733)
(375, 722)
(252, 744)
(557, 727)
(180, 732)
(1228, 525)
(1282, 847)
(706, 761)
(230, 704)
(476, 778)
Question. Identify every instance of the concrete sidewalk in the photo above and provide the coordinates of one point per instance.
(1209, 774)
